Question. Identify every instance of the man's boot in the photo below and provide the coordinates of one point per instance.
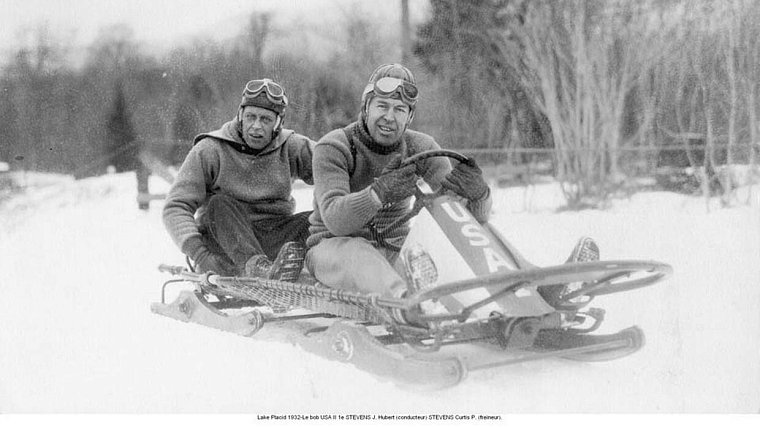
(286, 267)
(586, 250)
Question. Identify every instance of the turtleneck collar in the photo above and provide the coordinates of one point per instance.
(362, 134)
(231, 133)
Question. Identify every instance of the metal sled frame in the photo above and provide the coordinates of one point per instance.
(436, 356)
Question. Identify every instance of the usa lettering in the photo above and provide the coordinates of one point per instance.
(476, 236)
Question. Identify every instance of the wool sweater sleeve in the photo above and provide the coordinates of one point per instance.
(188, 192)
(342, 211)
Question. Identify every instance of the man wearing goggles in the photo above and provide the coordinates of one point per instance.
(237, 181)
(359, 186)
(387, 86)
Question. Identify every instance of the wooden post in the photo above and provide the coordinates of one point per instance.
(148, 165)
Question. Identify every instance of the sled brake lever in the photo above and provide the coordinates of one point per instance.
(175, 270)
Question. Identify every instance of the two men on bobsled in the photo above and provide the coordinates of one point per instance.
(238, 181)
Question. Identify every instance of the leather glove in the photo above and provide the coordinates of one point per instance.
(466, 180)
(395, 183)
(205, 260)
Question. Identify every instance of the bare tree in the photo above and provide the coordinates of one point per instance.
(581, 61)
(255, 39)
(749, 68)
(38, 68)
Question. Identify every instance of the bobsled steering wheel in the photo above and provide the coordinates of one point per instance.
(420, 197)
(417, 158)
(597, 278)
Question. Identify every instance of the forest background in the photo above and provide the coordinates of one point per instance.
(605, 96)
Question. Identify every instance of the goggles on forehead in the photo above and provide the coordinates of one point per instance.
(387, 86)
(274, 92)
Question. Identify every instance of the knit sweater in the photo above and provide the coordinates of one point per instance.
(343, 205)
(221, 163)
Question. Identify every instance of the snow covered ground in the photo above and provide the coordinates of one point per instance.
(78, 273)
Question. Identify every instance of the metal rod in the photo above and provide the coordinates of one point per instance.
(612, 345)
(298, 317)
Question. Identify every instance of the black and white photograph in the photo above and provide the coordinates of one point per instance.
(346, 212)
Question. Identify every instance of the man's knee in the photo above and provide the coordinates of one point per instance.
(222, 215)
(330, 253)
(221, 204)
(353, 263)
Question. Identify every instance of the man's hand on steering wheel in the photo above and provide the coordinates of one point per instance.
(396, 182)
(399, 181)
(466, 180)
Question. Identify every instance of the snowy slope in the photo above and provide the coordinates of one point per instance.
(78, 264)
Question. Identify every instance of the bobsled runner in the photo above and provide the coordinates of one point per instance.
(478, 303)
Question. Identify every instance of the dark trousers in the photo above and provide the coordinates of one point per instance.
(228, 228)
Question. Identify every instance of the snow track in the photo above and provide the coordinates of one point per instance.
(78, 263)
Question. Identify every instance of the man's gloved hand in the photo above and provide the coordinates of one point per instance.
(205, 260)
(466, 180)
(395, 183)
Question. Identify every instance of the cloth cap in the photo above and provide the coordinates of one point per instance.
(261, 100)
(392, 70)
